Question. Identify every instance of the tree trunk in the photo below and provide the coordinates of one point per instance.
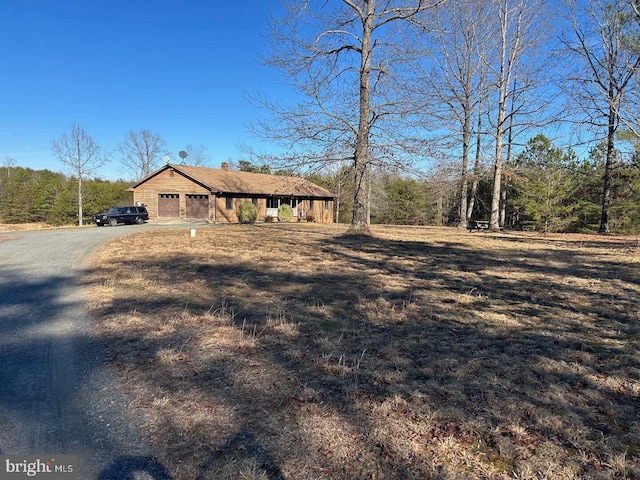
(503, 204)
(80, 213)
(494, 219)
(466, 137)
(503, 190)
(337, 215)
(503, 83)
(359, 220)
(439, 208)
(606, 191)
(476, 167)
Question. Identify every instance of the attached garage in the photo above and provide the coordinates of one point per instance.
(168, 205)
(198, 206)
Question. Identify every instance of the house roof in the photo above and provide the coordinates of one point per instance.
(230, 181)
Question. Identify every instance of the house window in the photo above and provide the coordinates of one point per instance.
(229, 203)
(326, 204)
(254, 200)
(311, 202)
(272, 202)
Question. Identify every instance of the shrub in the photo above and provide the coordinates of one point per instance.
(310, 217)
(285, 213)
(247, 212)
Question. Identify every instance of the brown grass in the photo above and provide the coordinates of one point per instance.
(20, 227)
(271, 352)
(27, 227)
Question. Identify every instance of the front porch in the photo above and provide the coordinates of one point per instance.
(274, 203)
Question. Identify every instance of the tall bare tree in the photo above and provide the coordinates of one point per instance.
(603, 82)
(516, 40)
(141, 152)
(457, 80)
(487, 64)
(80, 154)
(337, 55)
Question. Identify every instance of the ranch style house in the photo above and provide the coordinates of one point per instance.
(180, 191)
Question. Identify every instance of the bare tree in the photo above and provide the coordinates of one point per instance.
(457, 80)
(80, 154)
(485, 64)
(606, 58)
(516, 41)
(198, 156)
(141, 152)
(337, 54)
(9, 163)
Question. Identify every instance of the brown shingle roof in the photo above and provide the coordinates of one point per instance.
(229, 181)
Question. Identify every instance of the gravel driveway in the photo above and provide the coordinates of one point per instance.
(55, 395)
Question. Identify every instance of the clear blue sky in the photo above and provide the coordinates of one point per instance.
(181, 69)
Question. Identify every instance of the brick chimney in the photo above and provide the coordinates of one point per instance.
(224, 166)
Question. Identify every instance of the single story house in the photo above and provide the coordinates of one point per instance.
(213, 194)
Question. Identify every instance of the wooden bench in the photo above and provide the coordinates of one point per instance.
(478, 225)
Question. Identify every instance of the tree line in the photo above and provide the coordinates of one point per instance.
(546, 189)
(31, 196)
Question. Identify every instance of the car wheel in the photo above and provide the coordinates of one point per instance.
(139, 220)
(113, 222)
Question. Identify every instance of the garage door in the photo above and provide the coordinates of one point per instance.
(169, 205)
(198, 206)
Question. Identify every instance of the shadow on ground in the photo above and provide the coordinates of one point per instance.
(349, 357)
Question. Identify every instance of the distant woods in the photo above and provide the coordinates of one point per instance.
(30, 196)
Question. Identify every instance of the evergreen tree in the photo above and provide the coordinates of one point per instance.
(587, 195)
(65, 208)
(547, 186)
(45, 188)
(101, 195)
(404, 202)
(15, 198)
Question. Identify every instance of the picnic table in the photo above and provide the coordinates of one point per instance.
(478, 225)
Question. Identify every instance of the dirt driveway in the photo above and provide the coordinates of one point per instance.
(55, 396)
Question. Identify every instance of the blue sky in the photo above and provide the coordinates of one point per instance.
(181, 69)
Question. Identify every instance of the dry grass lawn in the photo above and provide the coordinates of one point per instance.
(296, 352)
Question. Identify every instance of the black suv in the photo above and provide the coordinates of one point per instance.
(117, 215)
